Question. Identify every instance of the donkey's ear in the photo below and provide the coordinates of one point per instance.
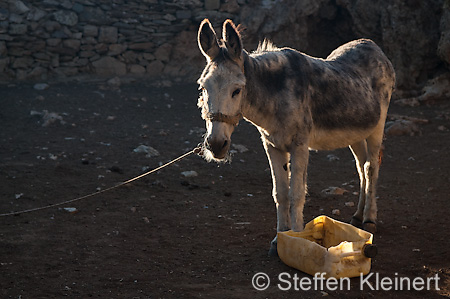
(207, 40)
(232, 40)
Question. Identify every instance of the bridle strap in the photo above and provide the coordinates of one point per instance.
(220, 117)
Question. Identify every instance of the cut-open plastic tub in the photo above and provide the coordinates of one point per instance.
(328, 246)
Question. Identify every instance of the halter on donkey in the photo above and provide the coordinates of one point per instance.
(297, 102)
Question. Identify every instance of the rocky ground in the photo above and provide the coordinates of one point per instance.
(195, 229)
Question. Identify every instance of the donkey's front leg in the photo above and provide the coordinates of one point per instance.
(278, 161)
(297, 190)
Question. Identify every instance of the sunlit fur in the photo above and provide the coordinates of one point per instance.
(298, 102)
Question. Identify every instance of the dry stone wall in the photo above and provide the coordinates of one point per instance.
(56, 39)
(61, 38)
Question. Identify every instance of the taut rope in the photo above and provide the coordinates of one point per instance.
(196, 150)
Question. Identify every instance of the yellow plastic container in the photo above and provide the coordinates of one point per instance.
(328, 246)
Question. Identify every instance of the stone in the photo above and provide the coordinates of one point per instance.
(336, 212)
(169, 17)
(72, 44)
(17, 29)
(76, 62)
(90, 30)
(114, 82)
(411, 102)
(163, 52)
(3, 63)
(86, 54)
(108, 34)
(22, 62)
(55, 60)
(212, 4)
(6, 37)
(230, 6)
(130, 56)
(141, 28)
(239, 148)
(15, 18)
(101, 48)
(94, 15)
(77, 7)
(4, 26)
(141, 46)
(66, 71)
(41, 86)
(65, 17)
(334, 191)
(4, 13)
(41, 56)
(3, 49)
(443, 49)
(38, 73)
(148, 150)
(17, 6)
(36, 14)
(189, 173)
(50, 3)
(137, 69)
(66, 4)
(53, 42)
(155, 68)
(183, 14)
(109, 66)
(77, 35)
(436, 89)
(51, 26)
(148, 56)
(89, 40)
(116, 49)
(402, 127)
(60, 34)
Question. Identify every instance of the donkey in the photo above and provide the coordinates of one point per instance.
(297, 102)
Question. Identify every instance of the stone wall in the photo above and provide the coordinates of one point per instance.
(56, 39)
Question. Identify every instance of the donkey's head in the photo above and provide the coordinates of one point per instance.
(222, 83)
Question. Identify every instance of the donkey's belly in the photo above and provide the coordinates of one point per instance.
(336, 138)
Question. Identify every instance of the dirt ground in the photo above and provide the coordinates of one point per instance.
(171, 236)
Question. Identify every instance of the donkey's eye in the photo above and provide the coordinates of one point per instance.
(236, 92)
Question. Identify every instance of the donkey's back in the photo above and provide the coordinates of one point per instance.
(344, 97)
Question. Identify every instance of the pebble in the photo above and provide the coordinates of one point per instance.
(402, 127)
(334, 191)
(41, 86)
(349, 204)
(189, 174)
(332, 157)
(150, 151)
(240, 148)
(336, 212)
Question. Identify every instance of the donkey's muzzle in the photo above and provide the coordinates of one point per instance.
(218, 146)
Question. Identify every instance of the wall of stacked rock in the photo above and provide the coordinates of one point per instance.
(57, 39)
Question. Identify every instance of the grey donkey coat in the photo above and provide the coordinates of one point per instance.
(298, 102)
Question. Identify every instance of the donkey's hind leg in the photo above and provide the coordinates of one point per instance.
(359, 151)
(371, 169)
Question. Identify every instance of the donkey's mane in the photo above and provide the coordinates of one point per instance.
(266, 46)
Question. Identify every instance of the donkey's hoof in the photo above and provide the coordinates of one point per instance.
(356, 222)
(370, 227)
(273, 251)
